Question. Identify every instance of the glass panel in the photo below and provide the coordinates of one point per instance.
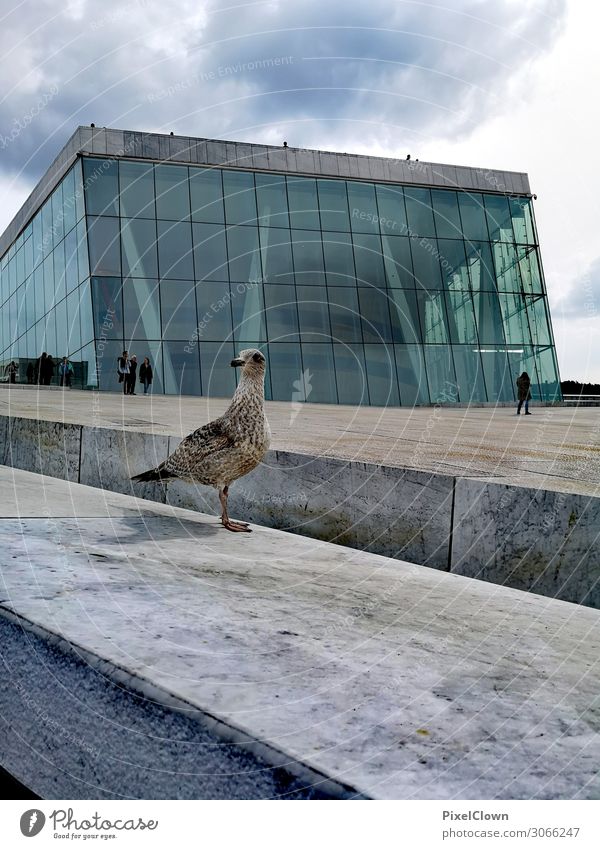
(103, 371)
(210, 252)
(38, 284)
(276, 252)
(286, 372)
(58, 256)
(213, 302)
(172, 192)
(244, 254)
(308, 257)
(488, 318)
(461, 317)
(303, 203)
(364, 216)
(472, 213)
(440, 373)
(85, 367)
(538, 321)
(282, 312)
(137, 190)
(61, 330)
(419, 212)
(398, 262)
(103, 239)
(333, 204)
(339, 259)
(107, 307)
(498, 218)
(248, 313)
(469, 374)
(49, 341)
(71, 274)
(178, 309)
(101, 180)
(426, 264)
(141, 309)
(138, 247)
(344, 314)
(351, 374)
(181, 368)
(514, 317)
(79, 191)
(271, 198)
(522, 220)
(507, 267)
(206, 191)
(47, 231)
(411, 375)
(175, 250)
(381, 375)
(49, 299)
(153, 349)
(86, 316)
(522, 359)
(37, 240)
(530, 270)
(318, 384)
(375, 315)
(446, 214)
(453, 263)
(368, 260)
(218, 378)
(58, 227)
(28, 254)
(498, 379)
(548, 373)
(83, 265)
(481, 269)
(405, 316)
(240, 200)
(313, 314)
(392, 212)
(69, 203)
(432, 311)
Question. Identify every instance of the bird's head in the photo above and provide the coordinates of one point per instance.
(251, 361)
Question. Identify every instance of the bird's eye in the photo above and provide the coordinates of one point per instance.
(257, 358)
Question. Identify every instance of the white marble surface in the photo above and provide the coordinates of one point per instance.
(403, 681)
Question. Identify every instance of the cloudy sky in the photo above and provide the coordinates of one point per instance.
(506, 84)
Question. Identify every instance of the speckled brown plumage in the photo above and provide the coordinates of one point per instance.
(229, 447)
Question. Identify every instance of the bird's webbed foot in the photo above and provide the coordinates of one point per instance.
(236, 527)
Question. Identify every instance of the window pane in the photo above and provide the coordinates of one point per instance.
(398, 262)
(344, 314)
(138, 247)
(419, 212)
(73, 323)
(69, 203)
(206, 191)
(244, 254)
(446, 214)
(514, 316)
(181, 368)
(432, 311)
(276, 252)
(489, 318)
(339, 259)
(453, 264)
(210, 252)
(507, 267)
(86, 316)
(318, 385)
(240, 200)
(104, 246)
(530, 270)
(368, 260)
(392, 212)
(461, 317)
(364, 217)
(404, 316)
(411, 375)
(175, 250)
(538, 321)
(440, 372)
(141, 309)
(426, 263)
(58, 228)
(481, 269)
(83, 265)
(303, 203)
(548, 374)
(61, 332)
(381, 375)
(101, 181)
(281, 312)
(178, 309)
(153, 349)
(107, 307)
(172, 192)
(351, 374)
(214, 311)
(469, 374)
(137, 190)
(313, 314)
(498, 218)
(72, 278)
(308, 257)
(286, 372)
(522, 220)
(472, 214)
(497, 374)
(375, 315)
(218, 378)
(271, 198)
(248, 313)
(58, 256)
(333, 204)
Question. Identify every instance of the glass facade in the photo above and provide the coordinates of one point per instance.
(357, 292)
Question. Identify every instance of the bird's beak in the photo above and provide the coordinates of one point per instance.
(237, 362)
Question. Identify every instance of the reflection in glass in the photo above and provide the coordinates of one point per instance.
(107, 303)
(368, 260)
(461, 317)
(440, 373)
(178, 307)
(101, 182)
(339, 259)
(472, 213)
(498, 218)
(138, 247)
(213, 302)
(333, 204)
(319, 384)
(141, 309)
(240, 199)
(446, 214)
(276, 252)
(313, 314)
(381, 375)
(364, 216)
(351, 375)
(248, 313)
(392, 212)
(172, 192)
(398, 261)
(404, 316)
(244, 254)
(281, 312)
(432, 311)
(498, 378)
(307, 252)
(344, 314)
(175, 250)
(181, 370)
(488, 318)
(419, 212)
(210, 252)
(469, 374)
(136, 180)
(426, 263)
(218, 378)
(286, 373)
(206, 190)
(412, 379)
(271, 198)
(375, 315)
(303, 203)
(104, 248)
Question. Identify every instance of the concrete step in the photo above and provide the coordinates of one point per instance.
(150, 653)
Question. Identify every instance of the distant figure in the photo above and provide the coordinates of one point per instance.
(30, 373)
(65, 371)
(132, 376)
(523, 393)
(123, 370)
(48, 370)
(146, 374)
(12, 370)
(41, 369)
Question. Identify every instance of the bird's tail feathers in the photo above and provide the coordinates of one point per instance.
(157, 474)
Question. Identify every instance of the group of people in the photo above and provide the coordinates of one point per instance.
(127, 371)
(42, 371)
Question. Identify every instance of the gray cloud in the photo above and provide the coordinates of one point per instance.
(583, 299)
(332, 74)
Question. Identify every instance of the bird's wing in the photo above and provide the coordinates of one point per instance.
(197, 446)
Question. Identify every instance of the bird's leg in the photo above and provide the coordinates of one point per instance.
(226, 521)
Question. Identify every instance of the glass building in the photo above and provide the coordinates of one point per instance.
(363, 280)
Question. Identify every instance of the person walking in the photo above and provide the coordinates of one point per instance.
(146, 374)
(30, 373)
(41, 369)
(132, 376)
(123, 370)
(11, 370)
(48, 370)
(65, 371)
(523, 393)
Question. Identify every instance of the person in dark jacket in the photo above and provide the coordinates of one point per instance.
(523, 393)
(48, 370)
(132, 376)
(30, 373)
(123, 370)
(146, 374)
(41, 369)
(12, 370)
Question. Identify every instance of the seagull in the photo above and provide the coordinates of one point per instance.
(229, 447)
